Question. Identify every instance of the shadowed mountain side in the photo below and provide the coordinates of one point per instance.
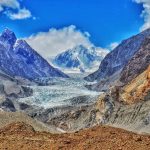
(119, 57)
(18, 59)
(138, 63)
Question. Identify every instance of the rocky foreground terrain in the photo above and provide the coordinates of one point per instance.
(20, 136)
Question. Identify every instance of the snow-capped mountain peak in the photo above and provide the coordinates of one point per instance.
(79, 58)
(8, 36)
(18, 59)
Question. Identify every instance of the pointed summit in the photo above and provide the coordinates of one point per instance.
(18, 59)
(8, 36)
(78, 59)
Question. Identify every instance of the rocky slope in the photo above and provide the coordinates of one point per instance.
(133, 67)
(137, 89)
(12, 89)
(7, 118)
(23, 136)
(18, 59)
(138, 63)
(119, 57)
(79, 59)
(131, 110)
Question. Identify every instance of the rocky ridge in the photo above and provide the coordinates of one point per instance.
(119, 57)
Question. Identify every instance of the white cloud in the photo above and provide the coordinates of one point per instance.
(145, 13)
(14, 4)
(56, 41)
(113, 45)
(22, 13)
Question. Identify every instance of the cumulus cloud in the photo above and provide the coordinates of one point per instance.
(113, 45)
(56, 41)
(14, 5)
(22, 14)
(145, 13)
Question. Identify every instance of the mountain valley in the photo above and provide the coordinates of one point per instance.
(36, 98)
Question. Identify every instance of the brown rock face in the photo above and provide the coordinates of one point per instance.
(138, 89)
(138, 63)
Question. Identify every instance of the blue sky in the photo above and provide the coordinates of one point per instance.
(106, 21)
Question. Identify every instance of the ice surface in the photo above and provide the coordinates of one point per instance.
(59, 93)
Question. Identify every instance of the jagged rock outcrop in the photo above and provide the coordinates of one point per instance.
(119, 57)
(18, 59)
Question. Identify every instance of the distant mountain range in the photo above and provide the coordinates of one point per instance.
(79, 59)
(18, 59)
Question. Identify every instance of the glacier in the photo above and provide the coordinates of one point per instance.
(61, 92)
